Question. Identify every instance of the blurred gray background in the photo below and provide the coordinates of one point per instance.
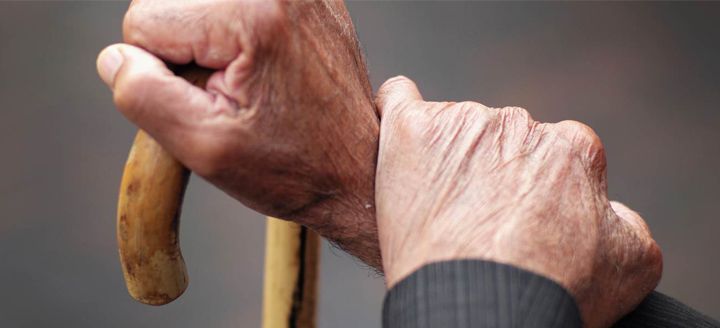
(646, 76)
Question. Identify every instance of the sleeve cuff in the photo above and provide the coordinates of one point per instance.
(661, 311)
(477, 293)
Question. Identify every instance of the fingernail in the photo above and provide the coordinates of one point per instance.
(108, 64)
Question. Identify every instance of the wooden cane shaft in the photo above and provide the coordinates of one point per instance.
(291, 272)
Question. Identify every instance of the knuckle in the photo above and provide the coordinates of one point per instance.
(647, 246)
(475, 111)
(651, 256)
(639, 225)
(655, 257)
(580, 133)
(517, 119)
(131, 23)
(466, 106)
(644, 250)
(394, 83)
(584, 142)
(270, 25)
(515, 113)
(273, 13)
(399, 80)
(409, 121)
(389, 96)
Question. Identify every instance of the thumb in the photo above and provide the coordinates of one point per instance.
(167, 107)
(147, 92)
(394, 92)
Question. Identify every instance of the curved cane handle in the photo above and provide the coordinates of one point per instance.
(148, 217)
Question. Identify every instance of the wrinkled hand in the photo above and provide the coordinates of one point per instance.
(460, 180)
(286, 123)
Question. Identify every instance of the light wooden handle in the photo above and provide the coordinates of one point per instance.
(148, 217)
(151, 195)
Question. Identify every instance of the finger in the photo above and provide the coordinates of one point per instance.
(395, 91)
(212, 34)
(652, 252)
(146, 91)
(168, 107)
(178, 33)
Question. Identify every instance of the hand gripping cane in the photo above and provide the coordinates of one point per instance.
(148, 222)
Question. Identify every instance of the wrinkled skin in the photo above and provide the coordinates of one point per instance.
(286, 124)
(460, 180)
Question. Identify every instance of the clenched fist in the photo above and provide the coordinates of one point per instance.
(286, 123)
(464, 181)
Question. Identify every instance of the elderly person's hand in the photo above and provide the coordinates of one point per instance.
(286, 123)
(464, 181)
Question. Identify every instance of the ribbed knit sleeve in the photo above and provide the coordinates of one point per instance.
(660, 311)
(475, 293)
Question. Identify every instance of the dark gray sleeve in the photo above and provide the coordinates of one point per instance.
(475, 293)
(660, 311)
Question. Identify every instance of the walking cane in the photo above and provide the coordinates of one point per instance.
(148, 219)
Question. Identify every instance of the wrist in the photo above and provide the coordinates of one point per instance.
(347, 221)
